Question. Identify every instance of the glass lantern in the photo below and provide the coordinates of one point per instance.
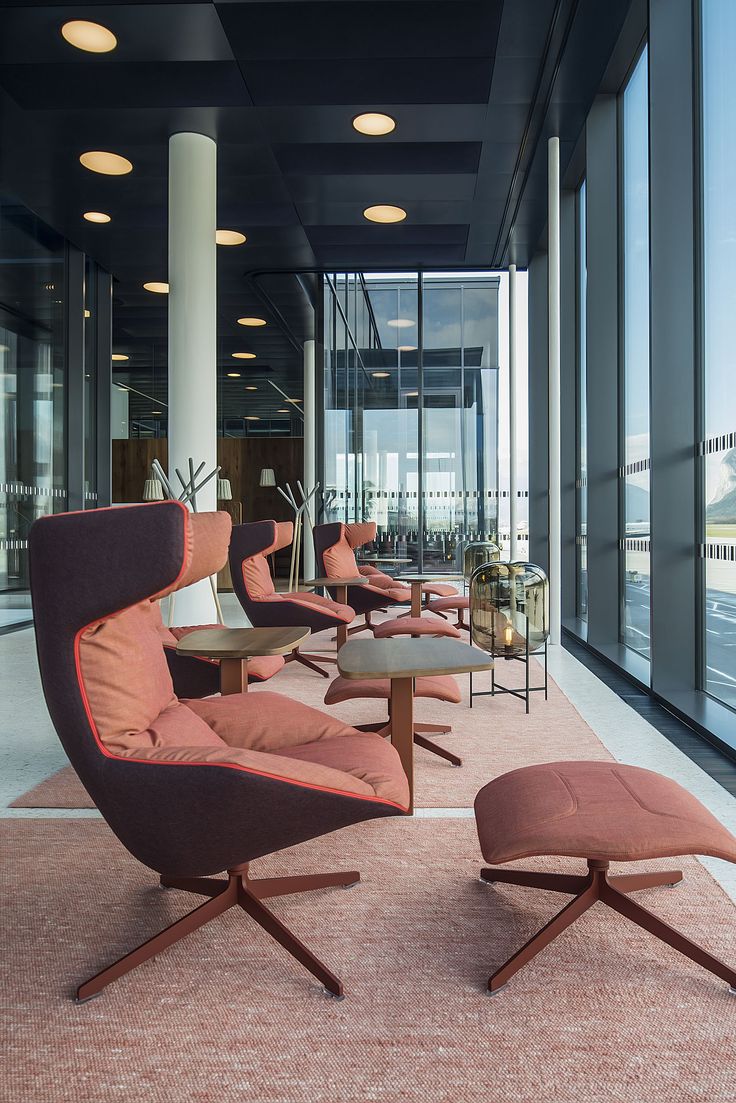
(477, 554)
(509, 617)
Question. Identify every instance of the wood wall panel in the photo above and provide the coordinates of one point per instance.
(241, 459)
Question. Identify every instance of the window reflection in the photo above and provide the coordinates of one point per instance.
(384, 363)
(32, 394)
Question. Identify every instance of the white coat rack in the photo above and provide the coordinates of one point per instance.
(190, 489)
(300, 512)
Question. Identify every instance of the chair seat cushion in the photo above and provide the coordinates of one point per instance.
(599, 810)
(415, 626)
(441, 589)
(320, 604)
(443, 687)
(360, 757)
(440, 604)
(263, 667)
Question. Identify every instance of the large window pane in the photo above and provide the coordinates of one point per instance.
(32, 394)
(581, 482)
(719, 343)
(635, 476)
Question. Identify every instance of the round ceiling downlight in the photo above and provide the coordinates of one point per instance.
(384, 212)
(92, 37)
(407, 348)
(229, 237)
(400, 323)
(252, 322)
(244, 355)
(120, 356)
(97, 216)
(374, 123)
(157, 287)
(108, 164)
(233, 375)
(380, 374)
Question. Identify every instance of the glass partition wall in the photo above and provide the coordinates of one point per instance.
(410, 415)
(634, 473)
(718, 428)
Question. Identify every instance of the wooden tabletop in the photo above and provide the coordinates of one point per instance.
(241, 643)
(409, 658)
(354, 580)
(438, 576)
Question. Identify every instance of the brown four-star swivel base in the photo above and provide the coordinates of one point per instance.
(238, 890)
(597, 885)
(311, 661)
(384, 728)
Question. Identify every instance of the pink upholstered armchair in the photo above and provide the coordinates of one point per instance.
(192, 788)
(250, 546)
(335, 545)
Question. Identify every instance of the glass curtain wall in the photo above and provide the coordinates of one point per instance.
(581, 480)
(395, 345)
(635, 467)
(718, 445)
(32, 409)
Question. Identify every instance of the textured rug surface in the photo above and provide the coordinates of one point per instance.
(494, 736)
(606, 1013)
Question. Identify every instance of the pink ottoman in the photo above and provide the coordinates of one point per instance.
(603, 812)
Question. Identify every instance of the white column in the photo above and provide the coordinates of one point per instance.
(310, 454)
(193, 334)
(513, 500)
(553, 287)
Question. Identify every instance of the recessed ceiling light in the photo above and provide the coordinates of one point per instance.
(252, 322)
(251, 388)
(374, 123)
(229, 237)
(380, 374)
(283, 411)
(155, 412)
(400, 323)
(293, 400)
(92, 37)
(407, 348)
(157, 287)
(412, 394)
(109, 164)
(233, 375)
(120, 356)
(252, 417)
(97, 216)
(244, 355)
(88, 313)
(384, 212)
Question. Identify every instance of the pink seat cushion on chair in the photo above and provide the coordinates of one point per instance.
(441, 604)
(443, 687)
(603, 811)
(415, 626)
(441, 589)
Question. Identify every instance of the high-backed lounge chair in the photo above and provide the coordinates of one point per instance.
(250, 546)
(191, 788)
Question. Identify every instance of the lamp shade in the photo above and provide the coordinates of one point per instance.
(153, 491)
(224, 490)
(509, 608)
(268, 478)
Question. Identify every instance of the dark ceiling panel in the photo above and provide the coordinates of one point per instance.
(336, 158)
(379, 80)
(125, 85)
(397, 29)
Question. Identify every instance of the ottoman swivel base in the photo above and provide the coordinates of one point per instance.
(610, 890)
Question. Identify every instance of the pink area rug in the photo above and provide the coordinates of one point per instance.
(604, 1014)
